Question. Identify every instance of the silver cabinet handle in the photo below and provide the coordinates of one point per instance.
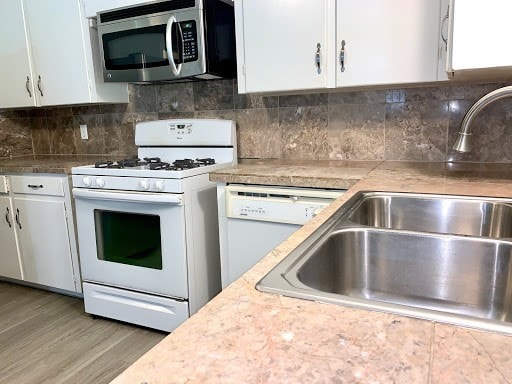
(7, 217)
(39, 85)
(27, 85)
(318, 59)
(18, 217)
(342, 56)
(445, 19)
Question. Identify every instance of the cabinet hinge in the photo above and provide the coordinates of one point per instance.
(90, 85)
(243, 69)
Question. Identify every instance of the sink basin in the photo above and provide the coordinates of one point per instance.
(442, 214)
(414, 255)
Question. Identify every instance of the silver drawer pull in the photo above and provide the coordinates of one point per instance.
(18, 218)
(27, 85)
(342, 56)
(34, 186)
(318, 59)
(7, 217)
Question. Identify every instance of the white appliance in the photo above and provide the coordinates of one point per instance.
(147, 227)
(253, 220)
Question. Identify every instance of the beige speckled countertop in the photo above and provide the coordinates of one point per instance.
(61, 164)
(245, 336)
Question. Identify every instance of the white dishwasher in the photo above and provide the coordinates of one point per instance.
(255, 219)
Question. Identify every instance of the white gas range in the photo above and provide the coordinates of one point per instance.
(147, 226)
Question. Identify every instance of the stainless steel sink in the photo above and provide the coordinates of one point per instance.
(442, 258)
(442, 214)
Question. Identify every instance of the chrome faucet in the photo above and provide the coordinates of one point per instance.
(463, 143)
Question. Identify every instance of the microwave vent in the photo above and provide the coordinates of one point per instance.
(147, 9)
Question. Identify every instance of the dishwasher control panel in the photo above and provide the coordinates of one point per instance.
(294, 206)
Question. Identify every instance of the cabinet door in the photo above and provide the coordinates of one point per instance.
(9, 260)
(57, 42)
(16, 86)
(278, 42)
(44, 242)
(387, 41)
(481, 34)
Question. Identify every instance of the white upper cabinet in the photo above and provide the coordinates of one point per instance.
(56, 40)
(360, 43)
(49, 56)
(480, 35)
(282, 45)
(387, 41)
(16, 85)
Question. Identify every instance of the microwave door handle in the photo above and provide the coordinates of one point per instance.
(176, 69)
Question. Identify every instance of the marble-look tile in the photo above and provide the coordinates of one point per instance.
(491, 132)
(214, 95)
(469, 356)
(258, 133)
(88, 109)
(40, 135)
(227, 114)
(175, 115)
(59, 111)
(62, 138)
(15, 137)
(95, 144)
(37, 112)
(14, 113)
(140, 117)
(305, 100)
(356, 131)
(249, 343)
(175, 97)
(358, 97)
(304, 133)
(437, 93)
(119, 134)
(142, 98)
(416, 131)
(473, 91)
(250, 101)
(116, 108)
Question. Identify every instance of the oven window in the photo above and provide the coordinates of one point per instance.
(136, 48)
(128, 238)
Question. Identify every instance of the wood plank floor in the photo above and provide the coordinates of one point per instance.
(48, 338)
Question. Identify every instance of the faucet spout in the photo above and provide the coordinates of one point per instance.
(463, 143)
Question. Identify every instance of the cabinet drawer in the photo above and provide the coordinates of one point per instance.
(3, 184)
(38, 185)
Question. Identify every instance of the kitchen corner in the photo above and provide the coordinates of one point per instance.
(244, 335)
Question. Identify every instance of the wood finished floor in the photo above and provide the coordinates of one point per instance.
(48, 338)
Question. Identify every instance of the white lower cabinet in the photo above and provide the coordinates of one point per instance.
(9, 259)
(41, 218)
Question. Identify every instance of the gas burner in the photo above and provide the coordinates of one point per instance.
(130, 163)
(207, 161)
(126, 163)
(156, 166)
(107, 164)
(150, 160)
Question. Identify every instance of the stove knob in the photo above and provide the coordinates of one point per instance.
(144, 184)
(87, 181)
(100, 182)
(160, 185)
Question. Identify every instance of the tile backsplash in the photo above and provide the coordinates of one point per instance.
(391, 124)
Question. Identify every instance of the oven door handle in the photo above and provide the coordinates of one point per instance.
(138, 197)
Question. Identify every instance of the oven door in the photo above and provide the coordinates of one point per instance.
(163, 47)
(133, 240)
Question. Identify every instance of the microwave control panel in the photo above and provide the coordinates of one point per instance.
(189, 31)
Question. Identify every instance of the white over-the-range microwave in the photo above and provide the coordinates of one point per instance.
(168, 40)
